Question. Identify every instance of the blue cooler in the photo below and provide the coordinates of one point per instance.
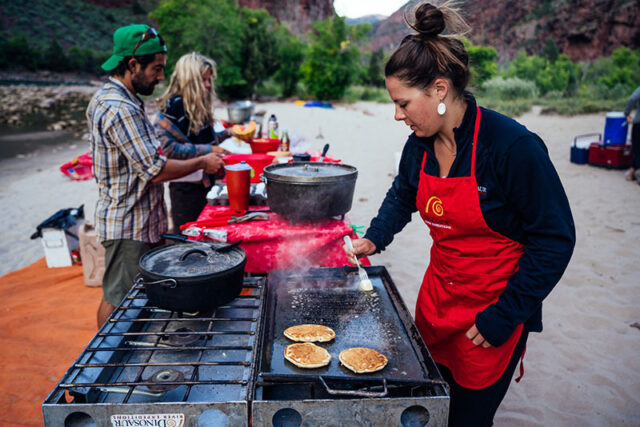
(580, 147)
(615, 129)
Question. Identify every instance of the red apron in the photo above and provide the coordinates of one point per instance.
(469, 268)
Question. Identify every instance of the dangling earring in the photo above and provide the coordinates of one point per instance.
(442, 108)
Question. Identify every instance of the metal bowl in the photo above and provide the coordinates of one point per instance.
(240, 111)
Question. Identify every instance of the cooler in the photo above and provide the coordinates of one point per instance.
(580, 147)
(615, 129)
(610, 156)
(59, 235)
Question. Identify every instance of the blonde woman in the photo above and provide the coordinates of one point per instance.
(185, 127)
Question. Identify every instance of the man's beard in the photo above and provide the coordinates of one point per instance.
(141, 86)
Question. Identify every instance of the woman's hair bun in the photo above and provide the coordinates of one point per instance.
(429, 22)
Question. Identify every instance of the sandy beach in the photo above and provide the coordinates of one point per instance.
(582, 370)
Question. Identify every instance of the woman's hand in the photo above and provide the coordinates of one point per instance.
(219, 150)
(361, 248)
(476, 337)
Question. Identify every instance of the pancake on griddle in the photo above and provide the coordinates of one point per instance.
(310, 333)
(362, 360)
(307, 355)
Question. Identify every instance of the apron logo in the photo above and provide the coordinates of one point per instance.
(436, 206)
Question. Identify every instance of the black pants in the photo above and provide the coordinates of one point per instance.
(635, 145)
(187, 201)
(476, 408)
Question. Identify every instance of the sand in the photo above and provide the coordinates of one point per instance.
(582, 370)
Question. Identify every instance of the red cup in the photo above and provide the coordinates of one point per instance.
(238, 185)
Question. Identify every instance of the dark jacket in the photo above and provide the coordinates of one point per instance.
(521, 197)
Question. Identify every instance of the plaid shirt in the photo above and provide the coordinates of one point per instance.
(125, 160)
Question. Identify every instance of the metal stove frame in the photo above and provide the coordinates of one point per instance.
(88, 395)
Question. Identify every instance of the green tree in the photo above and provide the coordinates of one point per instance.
(259, 49)
(211, 27)
(375, 73)
(560, 75)
(525, 67)
(18, 53)
(482, 61)
(623, 68)
(333, 58)
(53, 57)
(551, 51)
(290, 57)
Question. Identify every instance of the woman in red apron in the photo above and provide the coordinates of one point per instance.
(500, 244)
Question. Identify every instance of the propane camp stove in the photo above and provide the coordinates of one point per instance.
(226, 367)
(150, 364)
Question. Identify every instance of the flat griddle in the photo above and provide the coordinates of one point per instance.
(332, 297)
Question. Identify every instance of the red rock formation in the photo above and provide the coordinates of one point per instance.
(297, 14)
(583, 29)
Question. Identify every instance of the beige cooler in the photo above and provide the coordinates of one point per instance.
(91, 254)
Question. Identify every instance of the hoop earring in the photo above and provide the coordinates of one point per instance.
(442, 108)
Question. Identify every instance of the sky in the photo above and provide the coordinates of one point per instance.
(358, 8)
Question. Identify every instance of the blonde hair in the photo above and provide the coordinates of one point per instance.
(186, 81)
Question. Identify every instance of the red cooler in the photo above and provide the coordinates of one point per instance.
(610, 156)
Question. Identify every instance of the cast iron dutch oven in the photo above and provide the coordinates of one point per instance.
(311, 191)
(192, 276)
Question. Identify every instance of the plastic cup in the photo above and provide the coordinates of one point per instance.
(238, 186)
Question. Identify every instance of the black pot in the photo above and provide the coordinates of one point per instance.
(192, 276)
(309, 191)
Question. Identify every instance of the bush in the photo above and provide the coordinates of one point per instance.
(366, 93)
(511, 88)
(333, 58)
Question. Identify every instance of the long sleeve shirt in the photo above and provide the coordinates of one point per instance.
(632, 104)
(125, 160)
(521, 197)
(189, 144)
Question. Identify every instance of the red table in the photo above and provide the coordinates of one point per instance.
(276, 244)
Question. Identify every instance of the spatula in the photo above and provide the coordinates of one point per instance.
(365, 283)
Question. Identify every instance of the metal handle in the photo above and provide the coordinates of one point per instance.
(324, 152)
(575, 140)
(125, 390)
(349, 244)
(167, 283)
(192, 251)
(355, 392)
(176, 237)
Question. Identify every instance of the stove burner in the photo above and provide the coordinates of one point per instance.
(162, 376)
(186, 336)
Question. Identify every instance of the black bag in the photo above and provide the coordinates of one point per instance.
(62, 220)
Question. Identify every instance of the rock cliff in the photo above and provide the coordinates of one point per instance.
(582, 29)
(297, 14)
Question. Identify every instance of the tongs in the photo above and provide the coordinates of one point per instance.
(365, 283)
(228, 219)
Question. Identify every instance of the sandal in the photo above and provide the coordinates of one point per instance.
(630, 175)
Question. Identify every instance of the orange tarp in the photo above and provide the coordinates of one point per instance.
(48, 318)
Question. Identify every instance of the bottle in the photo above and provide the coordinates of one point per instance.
(284, 142)
(273, 126)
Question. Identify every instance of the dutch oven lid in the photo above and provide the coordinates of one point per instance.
(190, 260)
(310, 172)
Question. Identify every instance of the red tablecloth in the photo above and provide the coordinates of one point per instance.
(276, 244)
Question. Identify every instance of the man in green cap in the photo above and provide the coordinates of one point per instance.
(127, 162)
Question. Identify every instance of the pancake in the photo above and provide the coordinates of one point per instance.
(362, 360)
(307, 355)
(309, 333)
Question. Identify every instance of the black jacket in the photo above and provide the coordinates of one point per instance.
(521, 197)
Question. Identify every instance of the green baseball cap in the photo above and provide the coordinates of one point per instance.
(140, 38)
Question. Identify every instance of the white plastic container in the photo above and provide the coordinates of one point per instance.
(58, 245)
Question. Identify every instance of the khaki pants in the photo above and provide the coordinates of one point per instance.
(121, 267)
